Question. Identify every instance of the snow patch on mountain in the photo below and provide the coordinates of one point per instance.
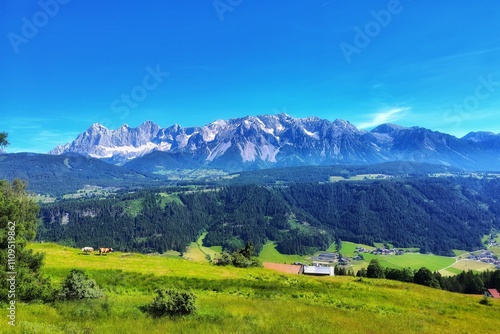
(219, 151)
(311, 134)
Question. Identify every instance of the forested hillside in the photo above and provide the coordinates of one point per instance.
(56, 175)
(433, 214)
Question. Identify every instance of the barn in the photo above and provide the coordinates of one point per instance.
(492, 293)
(318, 271)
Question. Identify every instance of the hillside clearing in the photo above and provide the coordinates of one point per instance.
(197, 252)
(269, 253)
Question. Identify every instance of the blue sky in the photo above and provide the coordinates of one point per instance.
(65, 64)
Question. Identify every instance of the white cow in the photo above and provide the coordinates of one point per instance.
(87, 250)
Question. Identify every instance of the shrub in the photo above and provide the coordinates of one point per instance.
(171, 302)
(78, 285)
(224, 259)
(485, 301)
(242, 258)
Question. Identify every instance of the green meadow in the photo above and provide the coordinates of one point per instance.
(232, 300)
(412, 260)
(269, 253)
(495, 250)
(446, 265)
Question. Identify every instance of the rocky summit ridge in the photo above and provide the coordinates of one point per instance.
(281, 140)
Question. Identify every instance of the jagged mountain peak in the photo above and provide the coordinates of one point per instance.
(342, 124)
(388, 128)
(281, 140)
(148, 123)
(480, 136)
(97, 127)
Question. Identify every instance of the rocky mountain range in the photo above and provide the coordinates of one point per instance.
(255, 142)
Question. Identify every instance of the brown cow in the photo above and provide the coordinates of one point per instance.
(105, 250)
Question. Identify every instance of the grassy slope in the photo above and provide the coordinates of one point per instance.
(197, 252)
(495, 250)
(255, 300)
(270, 254)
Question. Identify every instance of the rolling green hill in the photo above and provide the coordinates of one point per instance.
(57, 175)
(256, 300)
(302, 174)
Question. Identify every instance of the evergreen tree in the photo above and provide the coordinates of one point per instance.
(3, 139)
(361, 272)
(472, 283)
(18, 215)
(375, 270)
(425, 277)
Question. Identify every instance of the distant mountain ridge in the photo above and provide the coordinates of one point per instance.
(266, 141)
(57, 175)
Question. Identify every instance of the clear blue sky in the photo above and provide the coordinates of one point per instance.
(434, 64)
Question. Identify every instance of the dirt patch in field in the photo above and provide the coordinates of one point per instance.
(284, 268)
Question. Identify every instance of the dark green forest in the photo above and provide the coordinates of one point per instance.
(433, 214)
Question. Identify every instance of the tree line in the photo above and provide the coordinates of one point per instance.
(467, 282)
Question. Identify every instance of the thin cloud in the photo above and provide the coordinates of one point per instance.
(55, 137)
(327, 3)
(30, 139)
(383, 117)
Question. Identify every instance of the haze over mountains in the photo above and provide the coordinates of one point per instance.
(256, 142)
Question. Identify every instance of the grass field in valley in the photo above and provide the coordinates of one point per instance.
(197, 252)
(495, 250)
(412, 260)
(445, 265)
(256, 300)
